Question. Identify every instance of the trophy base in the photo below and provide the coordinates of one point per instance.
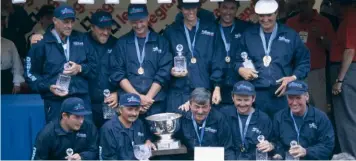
(180, 150)
(164, 145)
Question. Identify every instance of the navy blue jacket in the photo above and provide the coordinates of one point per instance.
(316, 134)
(157, 64)
(260, 124)
(289, 56)
(102, 57)
(46, 59)
(207, 68)
(52, 142)
(217, 134)
(230, 75)
(116, 143)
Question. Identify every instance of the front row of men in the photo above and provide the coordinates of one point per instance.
(236, 128)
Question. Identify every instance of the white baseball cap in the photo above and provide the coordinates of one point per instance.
(266, 6)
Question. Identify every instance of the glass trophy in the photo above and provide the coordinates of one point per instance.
(142, 152)
(63, 81)
(259, 154)
(247, 62)
(108, 112)
(69, 152)
(288, 155)
(180, 62)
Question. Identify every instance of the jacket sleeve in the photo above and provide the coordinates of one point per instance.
(89, 66)
(91, 149)
(107, 146)
(34, 69)
(117, 65)
(324, 148)
(216, 61)
(165, 63)
(42, 147)
(225, 139)
(301, 59)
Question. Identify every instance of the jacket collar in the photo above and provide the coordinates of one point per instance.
(153, 36)
(60, 131)
(179, 25)
(309, 117)
(254, 118)
(211, 119)
(281, 29)
(50, 38)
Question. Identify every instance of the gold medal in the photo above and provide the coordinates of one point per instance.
(242, 148)
(227, 59)
(193, 60)
(267, 60)
(140, 71)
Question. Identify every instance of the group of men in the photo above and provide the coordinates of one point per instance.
(138, 69)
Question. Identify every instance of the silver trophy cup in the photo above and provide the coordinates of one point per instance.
(165, 125)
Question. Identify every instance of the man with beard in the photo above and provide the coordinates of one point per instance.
(46, 60)
(141, 63)
(229, 33)
(121, 133)
(306, 126)
(247, 123)
(204, 127)
(278, 57)
(70, 133)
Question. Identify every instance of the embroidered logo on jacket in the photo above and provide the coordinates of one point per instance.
(256, 130)
(206, 32)
(78, 43)
(156, 49)
(237, 36)
(140, 134)
(313, 126)
(282, 38)
(209, 129)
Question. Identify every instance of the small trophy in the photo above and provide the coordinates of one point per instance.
(142, 152)
(69, 152)
(288, 156)
(180, 62)
(63, 81)
(259, 154)
(247, 62)
(108, 112)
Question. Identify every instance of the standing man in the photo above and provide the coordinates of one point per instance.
(278, 54)
(316, 32)
(102, 42)
(247, 123)
(196, 39)
(121, 133)
(228, 35)
(46, 59)
(309, 127)
(345, 74)
(70, 133)
(142, 62)
(204, 127)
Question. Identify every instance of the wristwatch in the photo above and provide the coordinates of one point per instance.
(339, 81)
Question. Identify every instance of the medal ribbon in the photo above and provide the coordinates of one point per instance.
(226, 44)
(141, 55)
(263, 38)
(191, 45)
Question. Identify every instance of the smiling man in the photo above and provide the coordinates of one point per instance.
(278, 54)
(307, 125)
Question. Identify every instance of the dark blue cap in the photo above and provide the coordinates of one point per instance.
(130, 100)
(64, 12)
(137, 12)
(75, 106)
(244, 88)
(102, 19)
(187, 5)
(296, 88)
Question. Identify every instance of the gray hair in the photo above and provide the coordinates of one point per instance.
(200, 96)
(343, 156)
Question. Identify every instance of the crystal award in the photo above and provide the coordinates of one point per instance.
(180, 62)
(142, 152)
(288, 155)
(108, 112)
(69, 152)
(63, 80)
(247, 62)
(259, 154)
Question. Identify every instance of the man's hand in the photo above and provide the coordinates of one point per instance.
(53, 89)
(73, 70)
(112, 100)
(178, 74)
(75, 156)
(247, 73)
(36, 38)
(16, 89)
(285, 81)
(337, 88)
(150, 145)
(297, 151)
(185, 107)
(146, 100)
(277, 157)
(265, 146)
(216, 99)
